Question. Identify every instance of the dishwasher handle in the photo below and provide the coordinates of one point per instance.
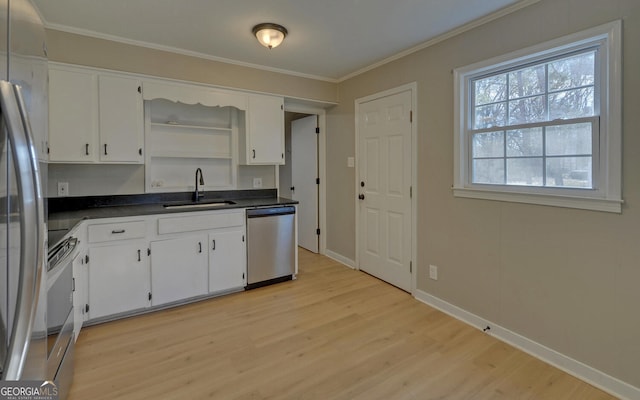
(270, 211)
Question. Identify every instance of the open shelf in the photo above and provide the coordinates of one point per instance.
(181, 138)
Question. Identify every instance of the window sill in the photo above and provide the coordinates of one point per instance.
(583, 203)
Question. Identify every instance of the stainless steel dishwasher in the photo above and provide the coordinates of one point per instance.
(270, 245)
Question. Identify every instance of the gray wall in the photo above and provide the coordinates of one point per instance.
(565, 278)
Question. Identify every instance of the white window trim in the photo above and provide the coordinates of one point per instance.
(608, 195)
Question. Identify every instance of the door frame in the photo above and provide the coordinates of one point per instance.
(322, 170)
(413, 88)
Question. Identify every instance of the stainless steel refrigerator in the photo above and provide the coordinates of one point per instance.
(23, 114)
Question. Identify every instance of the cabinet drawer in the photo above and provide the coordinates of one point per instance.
(117, 231)
(197, 222)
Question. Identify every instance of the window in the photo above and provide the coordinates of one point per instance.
(542, 125)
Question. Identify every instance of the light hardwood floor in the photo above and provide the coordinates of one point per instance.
(334, 333)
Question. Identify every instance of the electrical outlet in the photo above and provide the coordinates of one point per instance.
(63, 189)
(257, 182)
(433, 272)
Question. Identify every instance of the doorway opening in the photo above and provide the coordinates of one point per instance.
(301, 177)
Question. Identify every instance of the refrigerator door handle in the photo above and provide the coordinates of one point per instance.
(31, 226)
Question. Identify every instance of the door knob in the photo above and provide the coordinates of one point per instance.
(361, 197)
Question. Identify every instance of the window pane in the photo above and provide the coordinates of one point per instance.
(490, 90)
(571, 104)
(524, 171)
(488, 171)
(571, 139)
(527, 82)
(491, 115)
(572, 72)
(569, 172)
(524, 142)
(527, 110)
(490, 144)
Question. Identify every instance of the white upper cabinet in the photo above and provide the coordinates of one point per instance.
(263, 141)
(94, 117)
(121, 121)
(73, 115)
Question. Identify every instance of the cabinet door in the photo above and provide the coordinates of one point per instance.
(73, 116)
(265, 144)
(80, 300)
(227, 260)
(118, 279)
(121, 119)
(178, 269)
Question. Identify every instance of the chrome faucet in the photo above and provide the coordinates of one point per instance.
(197, 195)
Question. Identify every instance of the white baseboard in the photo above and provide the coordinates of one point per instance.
(576, 368)
(341, 259)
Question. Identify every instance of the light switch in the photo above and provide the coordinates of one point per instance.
(351, 162)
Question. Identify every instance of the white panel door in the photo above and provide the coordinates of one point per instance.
(304, 172)
(384, 168)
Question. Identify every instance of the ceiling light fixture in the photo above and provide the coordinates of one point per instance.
(269, 35)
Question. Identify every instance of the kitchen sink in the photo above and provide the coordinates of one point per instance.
(199, 204)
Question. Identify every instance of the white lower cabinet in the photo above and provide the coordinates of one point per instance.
(227, 259)
(178, 268)
(118, 278)
(133, 263)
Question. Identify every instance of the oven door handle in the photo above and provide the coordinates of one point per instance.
(69, 253)
(31, 227)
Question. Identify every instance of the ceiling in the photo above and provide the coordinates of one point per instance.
(328, 39)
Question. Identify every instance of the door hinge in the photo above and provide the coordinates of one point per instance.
(86, 259)
(317, 181)
(318, 130)
(150, 296)
(148, 251)
(243, 275)
(410, 266)
(243, 238)
(411, 116)
(48, 150)
(86, 308)
(410, 192)
(317, 231)
(282, 107)
(139, 89)
(140, 151)
(73, 284)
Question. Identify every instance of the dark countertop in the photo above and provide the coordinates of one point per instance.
(65, 213)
